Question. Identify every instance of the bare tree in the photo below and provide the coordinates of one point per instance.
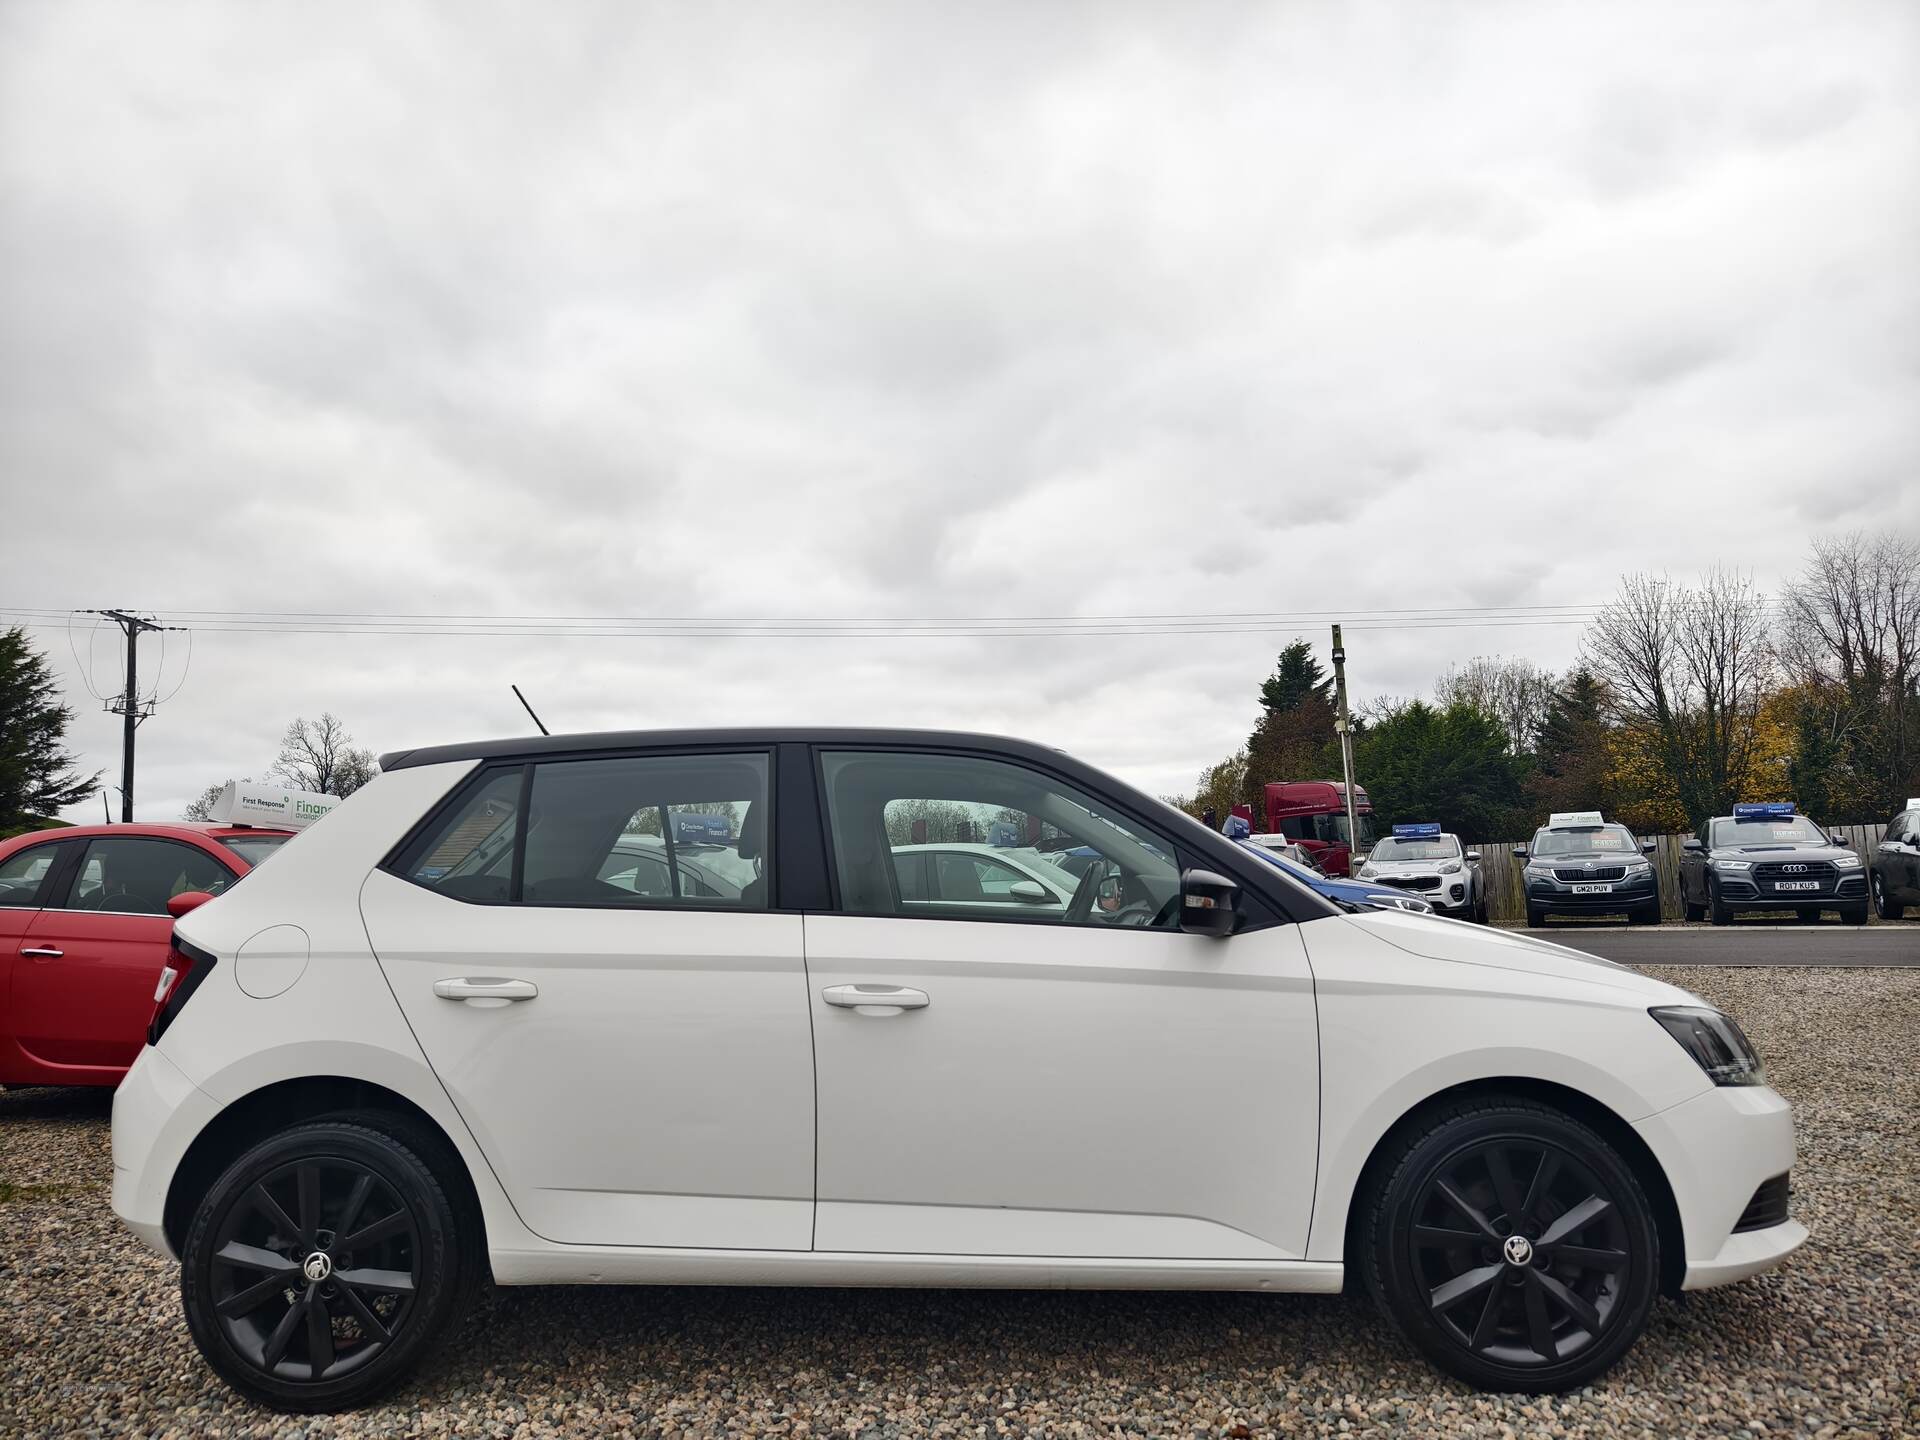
(1690, 666)
(1851, 640)
(1515, 693)
(319, 755)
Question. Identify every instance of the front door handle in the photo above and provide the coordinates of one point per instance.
(875, 999)
(43, 952)
(485, 992)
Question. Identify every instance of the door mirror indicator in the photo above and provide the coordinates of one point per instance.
(186, 900)
(1208, 903)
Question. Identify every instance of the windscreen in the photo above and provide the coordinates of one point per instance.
(254, 848)
(1605, 840)
(1439, 847)
(1766, 830)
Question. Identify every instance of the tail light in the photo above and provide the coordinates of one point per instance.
(187, 966)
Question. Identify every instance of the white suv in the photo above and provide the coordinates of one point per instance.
(497, 1016)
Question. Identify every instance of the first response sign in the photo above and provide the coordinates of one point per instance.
(242, 802)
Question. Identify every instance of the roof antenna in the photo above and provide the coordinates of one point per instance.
(529, 709)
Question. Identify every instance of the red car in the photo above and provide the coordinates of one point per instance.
(85, 916)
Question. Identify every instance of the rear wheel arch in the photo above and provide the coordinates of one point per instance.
(275, 1107)
(1582, 1107)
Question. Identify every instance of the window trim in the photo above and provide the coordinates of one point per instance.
(1258, 910)
(394, 861)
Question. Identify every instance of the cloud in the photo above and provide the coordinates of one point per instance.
(926, 310)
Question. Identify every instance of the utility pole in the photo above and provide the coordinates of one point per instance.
(129, 704)
(1343, 727)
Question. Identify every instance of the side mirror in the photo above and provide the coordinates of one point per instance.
(1032, 892)
(1473, 855)
(1647, 847)
(1519, 852)
(1207, 903)
(186, 900)
(1692, 843)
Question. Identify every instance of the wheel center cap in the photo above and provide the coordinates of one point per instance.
(1518, 1250)
(317, 1267)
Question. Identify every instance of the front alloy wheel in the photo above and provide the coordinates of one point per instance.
(1515, 1248)
(322, 1266)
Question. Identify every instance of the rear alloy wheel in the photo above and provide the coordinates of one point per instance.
(323, 1266)
(1514, 1247)
(1887, 908)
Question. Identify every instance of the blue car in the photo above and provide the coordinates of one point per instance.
(1353, 892)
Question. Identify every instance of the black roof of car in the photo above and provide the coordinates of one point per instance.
(734, 737)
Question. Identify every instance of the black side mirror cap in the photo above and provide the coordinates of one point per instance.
(1691, 843)
(1519, 852)
(1208, 903)
(1647, 847)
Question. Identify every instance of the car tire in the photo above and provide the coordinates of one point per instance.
(419, 1262)
(1536, 918)
(1808, 914)
(1691, 910)
(1559, 1310)
(1889, 909)
(1648, 914)
(1718, 911)
(1854, 913)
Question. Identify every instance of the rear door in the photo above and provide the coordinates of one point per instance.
(620, 1019)
(83, 984)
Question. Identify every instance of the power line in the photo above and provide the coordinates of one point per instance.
(129, 704)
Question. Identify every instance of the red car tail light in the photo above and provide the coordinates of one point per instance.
(187, 966)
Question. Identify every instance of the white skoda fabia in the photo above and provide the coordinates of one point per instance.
(658, 1008)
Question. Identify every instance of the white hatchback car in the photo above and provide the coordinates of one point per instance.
(448, 1035)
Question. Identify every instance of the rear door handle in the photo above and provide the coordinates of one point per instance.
(43, 952)
(875, 999)
(485, 992)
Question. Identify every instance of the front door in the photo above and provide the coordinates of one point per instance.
(84, 979)
(1080, 1082)
(619, 1017)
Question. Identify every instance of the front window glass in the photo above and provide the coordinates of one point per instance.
(22, 872)
(1439, 847)
(949, 836)
(134, 875)
(1766, 830)
(1603, 840)
(1333, 829)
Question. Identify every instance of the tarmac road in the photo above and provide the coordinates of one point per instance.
(1748, 943)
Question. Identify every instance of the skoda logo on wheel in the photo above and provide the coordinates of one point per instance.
(1518, 1250)
(317, 1267)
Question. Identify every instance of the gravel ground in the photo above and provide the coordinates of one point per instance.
(91, 1339)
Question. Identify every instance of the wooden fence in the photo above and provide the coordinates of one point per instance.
(1506, 900)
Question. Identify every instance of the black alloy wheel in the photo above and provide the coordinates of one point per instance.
(324, 1265)
(1515, 1248)
(1887, 908)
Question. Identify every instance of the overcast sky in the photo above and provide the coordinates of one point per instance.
(943, 310)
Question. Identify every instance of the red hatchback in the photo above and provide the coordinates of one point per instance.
(84, 924)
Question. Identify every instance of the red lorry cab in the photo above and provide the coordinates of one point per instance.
(1314, 813)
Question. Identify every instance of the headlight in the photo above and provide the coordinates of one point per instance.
(1741, 865)
(1366, 870)
(1848, 861)
(1718, 1044)
(1407, 902)
(1449, 867)
(1634, 867)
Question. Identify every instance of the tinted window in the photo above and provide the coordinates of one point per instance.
(1608, 840)
(132, 875)
(905, 827)
(648, 830)
(1785, 830)
(469, 853)
(22, 872)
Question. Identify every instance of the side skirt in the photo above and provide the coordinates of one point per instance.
(609, 1265)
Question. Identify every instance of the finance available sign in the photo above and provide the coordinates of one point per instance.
(242, 802)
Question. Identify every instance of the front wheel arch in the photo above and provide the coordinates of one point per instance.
(272, 1109)
(1584, 1108)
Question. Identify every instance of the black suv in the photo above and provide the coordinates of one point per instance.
(1765, 857)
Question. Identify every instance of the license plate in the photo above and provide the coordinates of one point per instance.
(1593, 889)
(1796, 884)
